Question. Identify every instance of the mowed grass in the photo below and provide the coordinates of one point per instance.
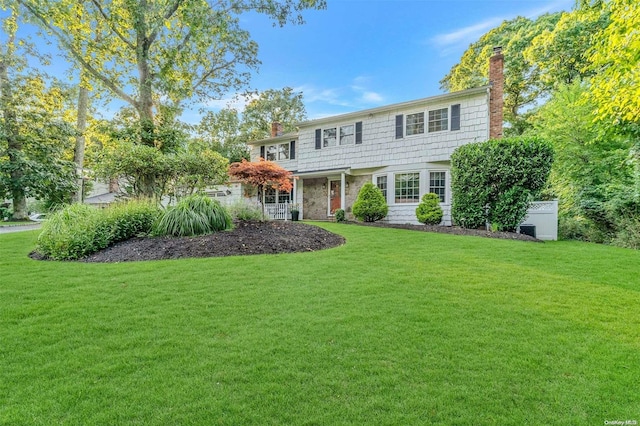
(395, 327)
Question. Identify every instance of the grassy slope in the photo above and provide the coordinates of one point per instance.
(395, 327)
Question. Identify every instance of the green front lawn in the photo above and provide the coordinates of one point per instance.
(395, 327)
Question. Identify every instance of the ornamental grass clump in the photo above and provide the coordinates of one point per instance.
(245, 210)
(193, 215)
(370, 205)
(429, 211)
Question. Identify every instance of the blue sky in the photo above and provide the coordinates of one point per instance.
(360, 54)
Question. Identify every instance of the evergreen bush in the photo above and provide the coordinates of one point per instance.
(340, 215)
(370, 205)
(429, 211)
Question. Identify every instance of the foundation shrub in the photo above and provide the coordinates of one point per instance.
(370, 206)
(429, 211)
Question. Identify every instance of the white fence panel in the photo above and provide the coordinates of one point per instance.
(544, 216)
(278, 211)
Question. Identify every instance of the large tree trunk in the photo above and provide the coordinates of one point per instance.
(14, 143)
(145, 90)
(78, 152)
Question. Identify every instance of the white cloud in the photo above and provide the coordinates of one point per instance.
(237, 102)
(460, 38)
(355, 96)
(372, 97)
(553, 6)
(465, 35)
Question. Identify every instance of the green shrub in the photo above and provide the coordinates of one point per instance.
(483, 173)
(79, 230)
(429, 211)
(370, 205)
(340, 215)
(126, 220)
(73, 232)
(628, 234)
(244, 210)
(510, 208)
(194, 215)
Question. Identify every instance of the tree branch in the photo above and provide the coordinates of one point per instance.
(168, 14)
(97, 4)
(78, 55)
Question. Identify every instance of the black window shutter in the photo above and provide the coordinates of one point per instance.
(262, 151)
(358, 132)
(292, 150)
(399, 122)
(318, 138)
(455, 117)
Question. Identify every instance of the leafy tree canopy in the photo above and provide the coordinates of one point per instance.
(272, 106)
(615, 62)
(522, 86)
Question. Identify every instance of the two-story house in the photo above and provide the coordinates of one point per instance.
(404, 149)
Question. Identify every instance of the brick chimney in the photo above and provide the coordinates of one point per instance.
(496, 93)
(276, 129)
(114, 186)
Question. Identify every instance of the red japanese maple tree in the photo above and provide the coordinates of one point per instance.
(262, 174)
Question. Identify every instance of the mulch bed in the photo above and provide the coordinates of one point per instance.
(455, 230)
(248, 238)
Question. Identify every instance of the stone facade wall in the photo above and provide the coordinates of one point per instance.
(315, 203)
(351, 194)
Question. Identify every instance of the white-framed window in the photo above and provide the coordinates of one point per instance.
(272, 196)
(407, 187)
(277, 152)
(347, 134)
(329, 137)
(283, 151)
(381, 182)
(438, 119)
(437, 184)
(415, 124)
(284, 197)
(272, 152)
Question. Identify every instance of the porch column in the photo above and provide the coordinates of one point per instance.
(294, 198)
(294, 194)
(343, 194)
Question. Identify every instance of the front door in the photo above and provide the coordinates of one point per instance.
(335, 202)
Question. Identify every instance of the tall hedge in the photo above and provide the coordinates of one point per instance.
(503, 174)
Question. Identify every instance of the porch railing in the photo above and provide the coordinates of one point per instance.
(278, 211)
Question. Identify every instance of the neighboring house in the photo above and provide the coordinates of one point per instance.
(404, 149)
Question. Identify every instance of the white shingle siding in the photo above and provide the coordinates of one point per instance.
(402, 214)
(380, 146)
